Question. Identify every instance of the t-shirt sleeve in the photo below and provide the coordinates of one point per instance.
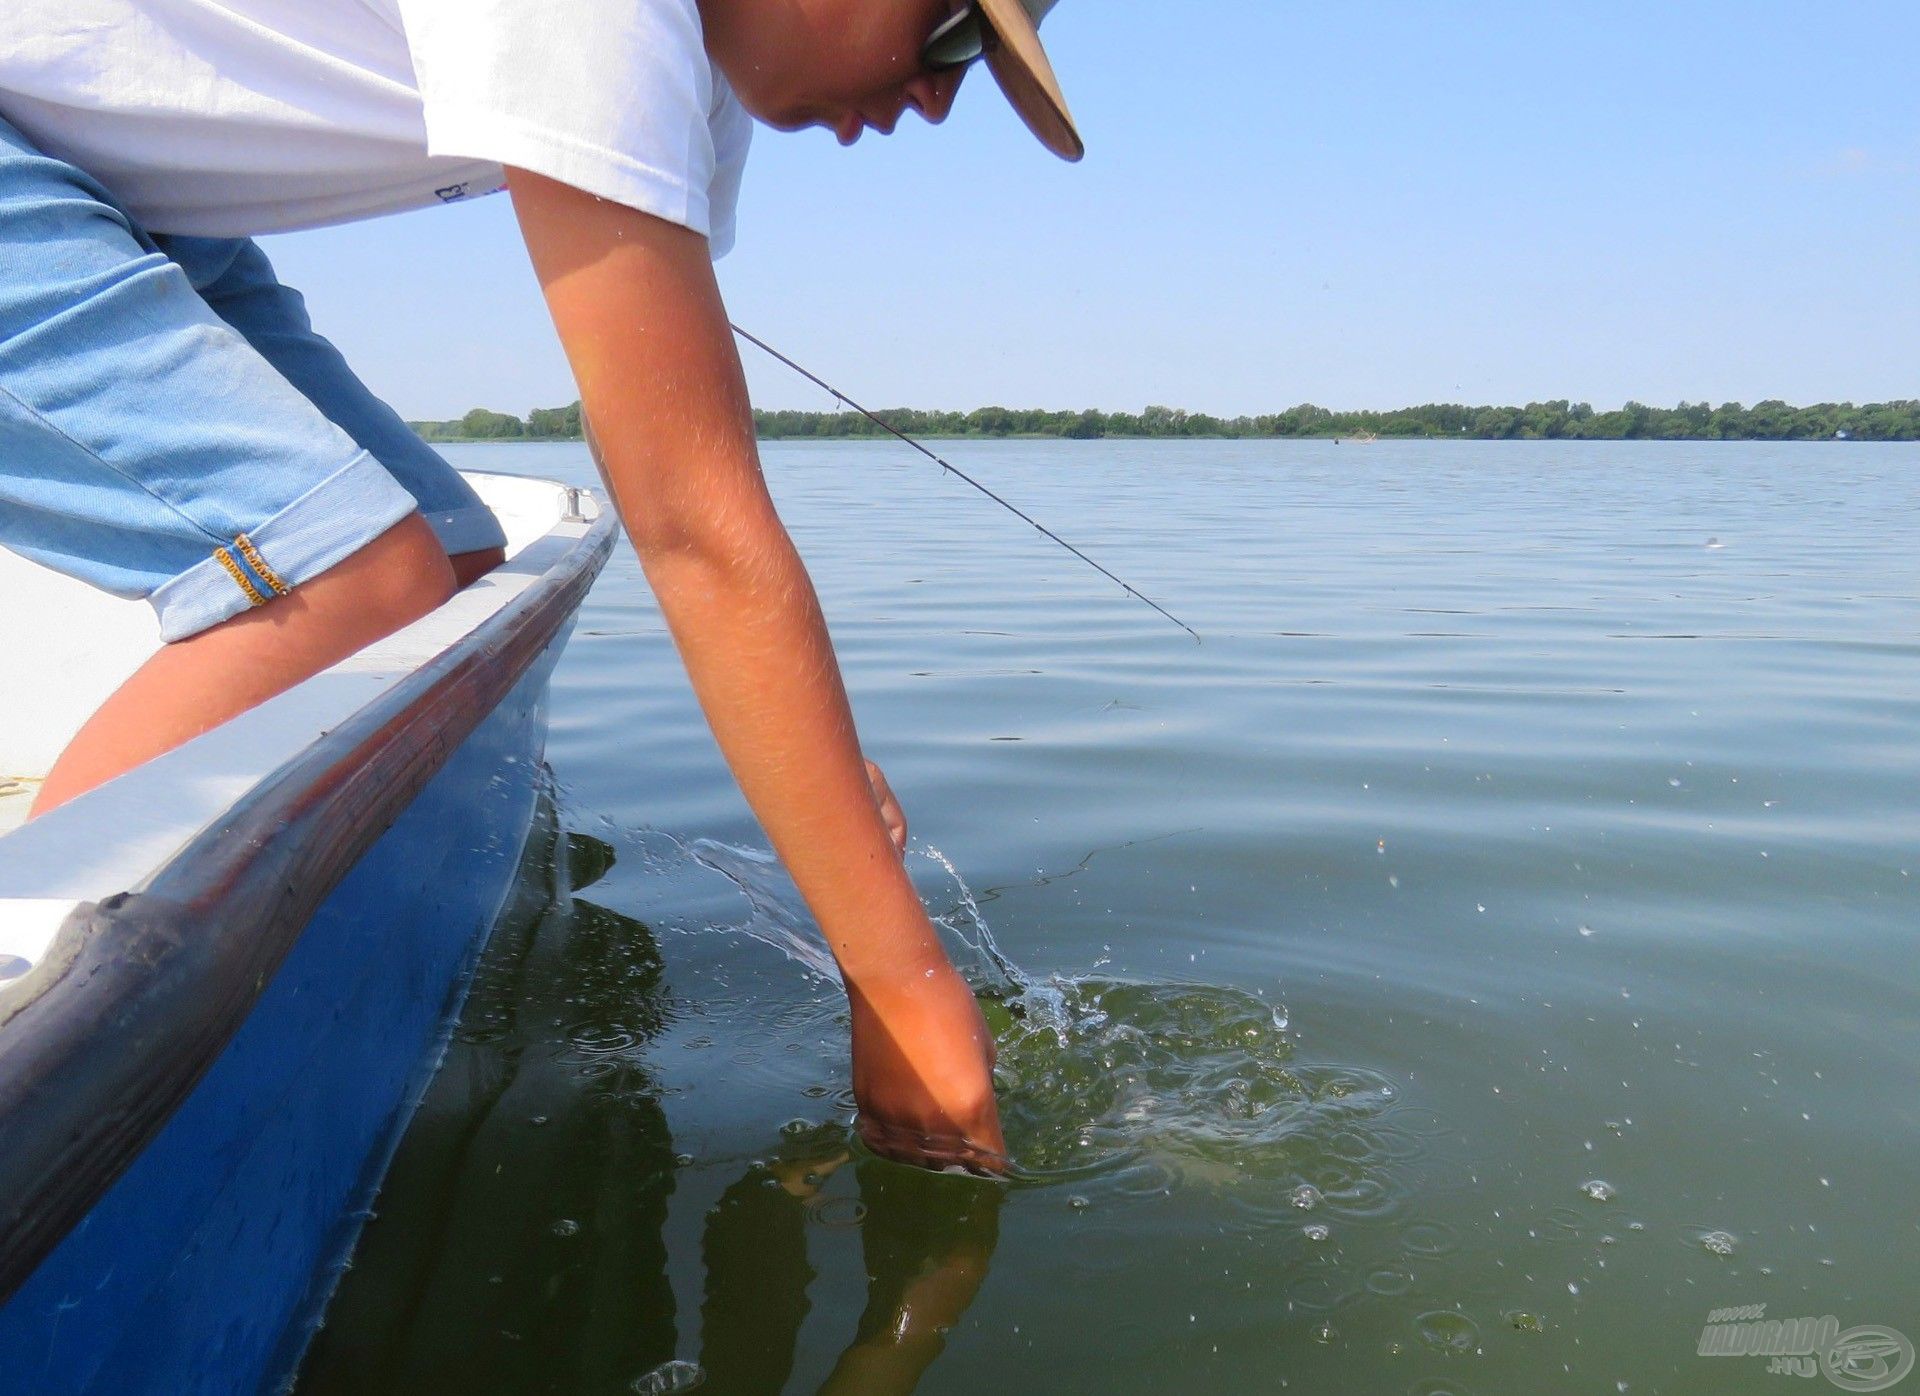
(615, 97)
(732, 137)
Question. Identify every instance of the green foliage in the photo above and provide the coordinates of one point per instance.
(1559, 420)
(554, 423)
(482, 425)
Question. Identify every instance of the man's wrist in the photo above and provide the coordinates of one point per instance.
(886, 958)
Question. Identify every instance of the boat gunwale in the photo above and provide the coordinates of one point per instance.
(145, 989)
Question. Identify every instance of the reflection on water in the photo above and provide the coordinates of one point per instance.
(518, 1245)
(926, 1241)
(523, 1211)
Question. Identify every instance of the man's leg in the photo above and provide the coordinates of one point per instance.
(148, 449)
(198, 683)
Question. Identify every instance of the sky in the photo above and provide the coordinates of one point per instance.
(1358, 204)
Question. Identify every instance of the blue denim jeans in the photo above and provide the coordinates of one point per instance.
(171, 428)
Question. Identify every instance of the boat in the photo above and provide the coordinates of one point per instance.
(227, 976)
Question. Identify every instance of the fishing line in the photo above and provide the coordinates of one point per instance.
(954, 470)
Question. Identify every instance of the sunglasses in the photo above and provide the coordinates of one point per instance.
(955, 42)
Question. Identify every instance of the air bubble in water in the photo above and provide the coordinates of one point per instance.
(1314, 1231)
(1718, 1242)
(668, 1378)
(1599, 1189)
(1306, 1197)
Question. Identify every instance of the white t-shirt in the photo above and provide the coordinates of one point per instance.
(231, 117)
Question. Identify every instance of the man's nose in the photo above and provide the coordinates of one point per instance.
(932, 94)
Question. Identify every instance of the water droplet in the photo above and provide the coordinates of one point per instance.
(1586, 930)
(1389, 1282)
(1599, 1189)
(1079, 1203)
(1525, 1322)
(1430, 1239)
(1446, 1331)
(1718, 1242)
(1315, 1231)
(566, 1226)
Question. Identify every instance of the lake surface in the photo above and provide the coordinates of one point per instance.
(1489, 952)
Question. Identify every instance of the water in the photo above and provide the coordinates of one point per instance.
(1486, 955)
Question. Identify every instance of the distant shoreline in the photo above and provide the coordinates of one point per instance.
(1559, 420)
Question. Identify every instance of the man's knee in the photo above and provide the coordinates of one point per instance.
(469, 568)
(390, 582)
(402, 574)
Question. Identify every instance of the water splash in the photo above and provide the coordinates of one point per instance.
(776, 920)
(966, 923)
(1120, 1087)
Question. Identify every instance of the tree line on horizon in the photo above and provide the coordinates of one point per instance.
(1559, 420)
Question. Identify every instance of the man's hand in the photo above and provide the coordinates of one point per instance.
(890, 811)
(923, 1072)
(646, 333)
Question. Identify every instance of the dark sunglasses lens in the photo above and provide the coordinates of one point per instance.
(955, 43)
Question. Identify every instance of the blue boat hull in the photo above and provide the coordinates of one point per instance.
(203, 1266)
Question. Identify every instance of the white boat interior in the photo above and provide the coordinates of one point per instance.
(65, 646)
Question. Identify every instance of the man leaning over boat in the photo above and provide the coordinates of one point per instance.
(171, 427)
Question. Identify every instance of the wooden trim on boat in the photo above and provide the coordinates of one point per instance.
(157, 982)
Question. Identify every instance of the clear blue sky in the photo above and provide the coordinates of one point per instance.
(1359, 204)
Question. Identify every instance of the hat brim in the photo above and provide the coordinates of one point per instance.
(1019, 64)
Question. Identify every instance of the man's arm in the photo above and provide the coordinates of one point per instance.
(642, 322)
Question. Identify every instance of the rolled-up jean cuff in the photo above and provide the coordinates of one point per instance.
(330, 522)
(468, 530)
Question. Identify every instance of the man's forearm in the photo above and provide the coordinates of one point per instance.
(645, 330)
(750, 631)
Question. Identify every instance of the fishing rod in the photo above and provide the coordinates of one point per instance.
(955, 470)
